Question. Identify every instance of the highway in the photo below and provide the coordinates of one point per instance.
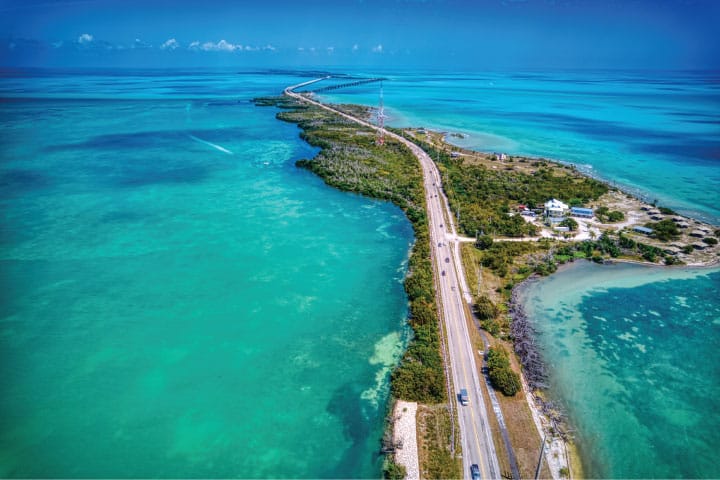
(476, 437)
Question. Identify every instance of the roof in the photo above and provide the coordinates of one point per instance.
(643, 229)
(555, 204)
(581, 210)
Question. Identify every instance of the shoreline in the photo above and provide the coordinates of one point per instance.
(637, 210)
(542, 398)
(584, 169)
(559, 455)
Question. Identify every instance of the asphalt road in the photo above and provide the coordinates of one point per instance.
(476, 438)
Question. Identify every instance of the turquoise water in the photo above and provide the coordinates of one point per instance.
(655, 133)
(178, 300)
(633, 353)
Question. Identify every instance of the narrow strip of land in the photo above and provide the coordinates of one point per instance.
(477, 443)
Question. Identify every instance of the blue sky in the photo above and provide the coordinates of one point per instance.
(437, 34)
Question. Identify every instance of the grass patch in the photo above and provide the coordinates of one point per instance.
(433, 426)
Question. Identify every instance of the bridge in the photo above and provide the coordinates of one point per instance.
(348, 84)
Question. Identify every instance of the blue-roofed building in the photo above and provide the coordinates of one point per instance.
(581, 212)
(644, 230)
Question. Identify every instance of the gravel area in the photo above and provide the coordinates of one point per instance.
(405, 433)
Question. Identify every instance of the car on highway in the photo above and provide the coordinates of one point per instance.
(443, 273)
(447, 259)
(464, 400)
(474, 471)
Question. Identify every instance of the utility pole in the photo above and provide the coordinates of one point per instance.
(381, 120)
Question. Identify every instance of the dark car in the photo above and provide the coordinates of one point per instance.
(474, 471)
(447, 259)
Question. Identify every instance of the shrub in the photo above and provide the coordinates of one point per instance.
(664, 229)
(615, 216)
(570, 223)
(394, 471)
(484, 308)
(687, 249)
(501, 375)
(710, 240)
(484, 242)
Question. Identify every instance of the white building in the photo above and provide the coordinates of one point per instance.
(555, 208)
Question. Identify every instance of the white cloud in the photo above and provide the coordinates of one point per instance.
(85, 38)
(355, 48)
(58, 44)
(221, 46)
(330, 50)
(170, 44)
(301, 49)
(378, 48)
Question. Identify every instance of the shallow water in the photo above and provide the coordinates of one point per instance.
(655, 133)
(178, 299)
(633, 356)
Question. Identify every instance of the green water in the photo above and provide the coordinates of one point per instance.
(633, 356)
(174, 309)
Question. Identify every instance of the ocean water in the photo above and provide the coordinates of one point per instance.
(633, 356)
(656, 134)
(177, 299)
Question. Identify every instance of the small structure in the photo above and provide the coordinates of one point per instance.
(643, 230)
(697, 234)
(421, 131)
(561, 229)
(555, 208)
(699, 246)
(581, 212)
(454, 154)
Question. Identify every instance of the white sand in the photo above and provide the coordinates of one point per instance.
(556, 456)
(405, 433)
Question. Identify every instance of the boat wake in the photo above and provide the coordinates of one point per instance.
(210, 144)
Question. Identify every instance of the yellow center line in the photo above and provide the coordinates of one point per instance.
(472, 411)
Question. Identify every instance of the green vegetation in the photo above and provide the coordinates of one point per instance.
(605, 215)
(664, 230)
(666, 211)
(615, 216)
(392, 470)
(570, 223)
(503, 378)
(487, 312)
(485, 198)
(484, 242)
(501, 256)
(350, 160)
(434, 429)
(710, 240)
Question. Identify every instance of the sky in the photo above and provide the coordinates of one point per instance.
(435, 34)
